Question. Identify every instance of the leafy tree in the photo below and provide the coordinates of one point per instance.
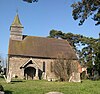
(30, 1)
(85, 8)
(89, 55)
(55, 34)
(97, 58)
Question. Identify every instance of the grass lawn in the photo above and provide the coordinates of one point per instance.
(42, 87)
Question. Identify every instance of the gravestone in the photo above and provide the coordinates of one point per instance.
(1, 92)
(54, 93)
(75, 77)
(8, 78)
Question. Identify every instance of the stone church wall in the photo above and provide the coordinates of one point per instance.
(14, 66)
(15, 63)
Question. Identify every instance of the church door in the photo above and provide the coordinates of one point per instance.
(29, 73)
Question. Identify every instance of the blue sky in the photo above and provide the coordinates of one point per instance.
(39, 18)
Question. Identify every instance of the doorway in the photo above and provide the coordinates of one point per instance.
(29, 73)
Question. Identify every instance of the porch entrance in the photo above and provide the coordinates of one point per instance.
(29, 73)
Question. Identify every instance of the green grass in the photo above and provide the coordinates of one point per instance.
(42, 87)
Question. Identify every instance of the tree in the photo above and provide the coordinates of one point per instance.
(55, 34)
(89, 55)
(85, 8)
(30, 1)
(97, 58)
(1, 60)
(63, 68)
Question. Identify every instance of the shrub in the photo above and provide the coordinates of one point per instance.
(83, 75)
(1, 88)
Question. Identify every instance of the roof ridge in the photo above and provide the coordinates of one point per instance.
(47, 38)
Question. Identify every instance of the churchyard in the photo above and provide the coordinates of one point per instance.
(43, 87)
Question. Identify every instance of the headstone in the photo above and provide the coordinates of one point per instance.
(75, 77)
(44, 76)
(8, 78)
(54, 93)
(1, 92)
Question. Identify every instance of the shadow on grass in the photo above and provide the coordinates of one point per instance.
(8, 92)
(17, 81)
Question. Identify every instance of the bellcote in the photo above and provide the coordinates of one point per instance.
(16, 29)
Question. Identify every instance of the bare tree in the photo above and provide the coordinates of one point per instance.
(63, 68)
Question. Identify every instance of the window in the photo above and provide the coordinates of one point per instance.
(51, 67)
(43, 66)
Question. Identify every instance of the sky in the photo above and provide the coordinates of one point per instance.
(41, 17)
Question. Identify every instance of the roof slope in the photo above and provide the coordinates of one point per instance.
(41, 47)
(16, 21)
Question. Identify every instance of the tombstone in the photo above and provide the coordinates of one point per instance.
(54, 93)
(75, 77)
(1, 92)
(8, 78)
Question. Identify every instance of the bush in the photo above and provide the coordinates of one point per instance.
(96, 75)
(83, 75)
(1, 88)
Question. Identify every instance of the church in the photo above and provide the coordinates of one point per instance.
(31, 57)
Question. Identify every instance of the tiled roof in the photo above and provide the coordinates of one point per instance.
(41, 47)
